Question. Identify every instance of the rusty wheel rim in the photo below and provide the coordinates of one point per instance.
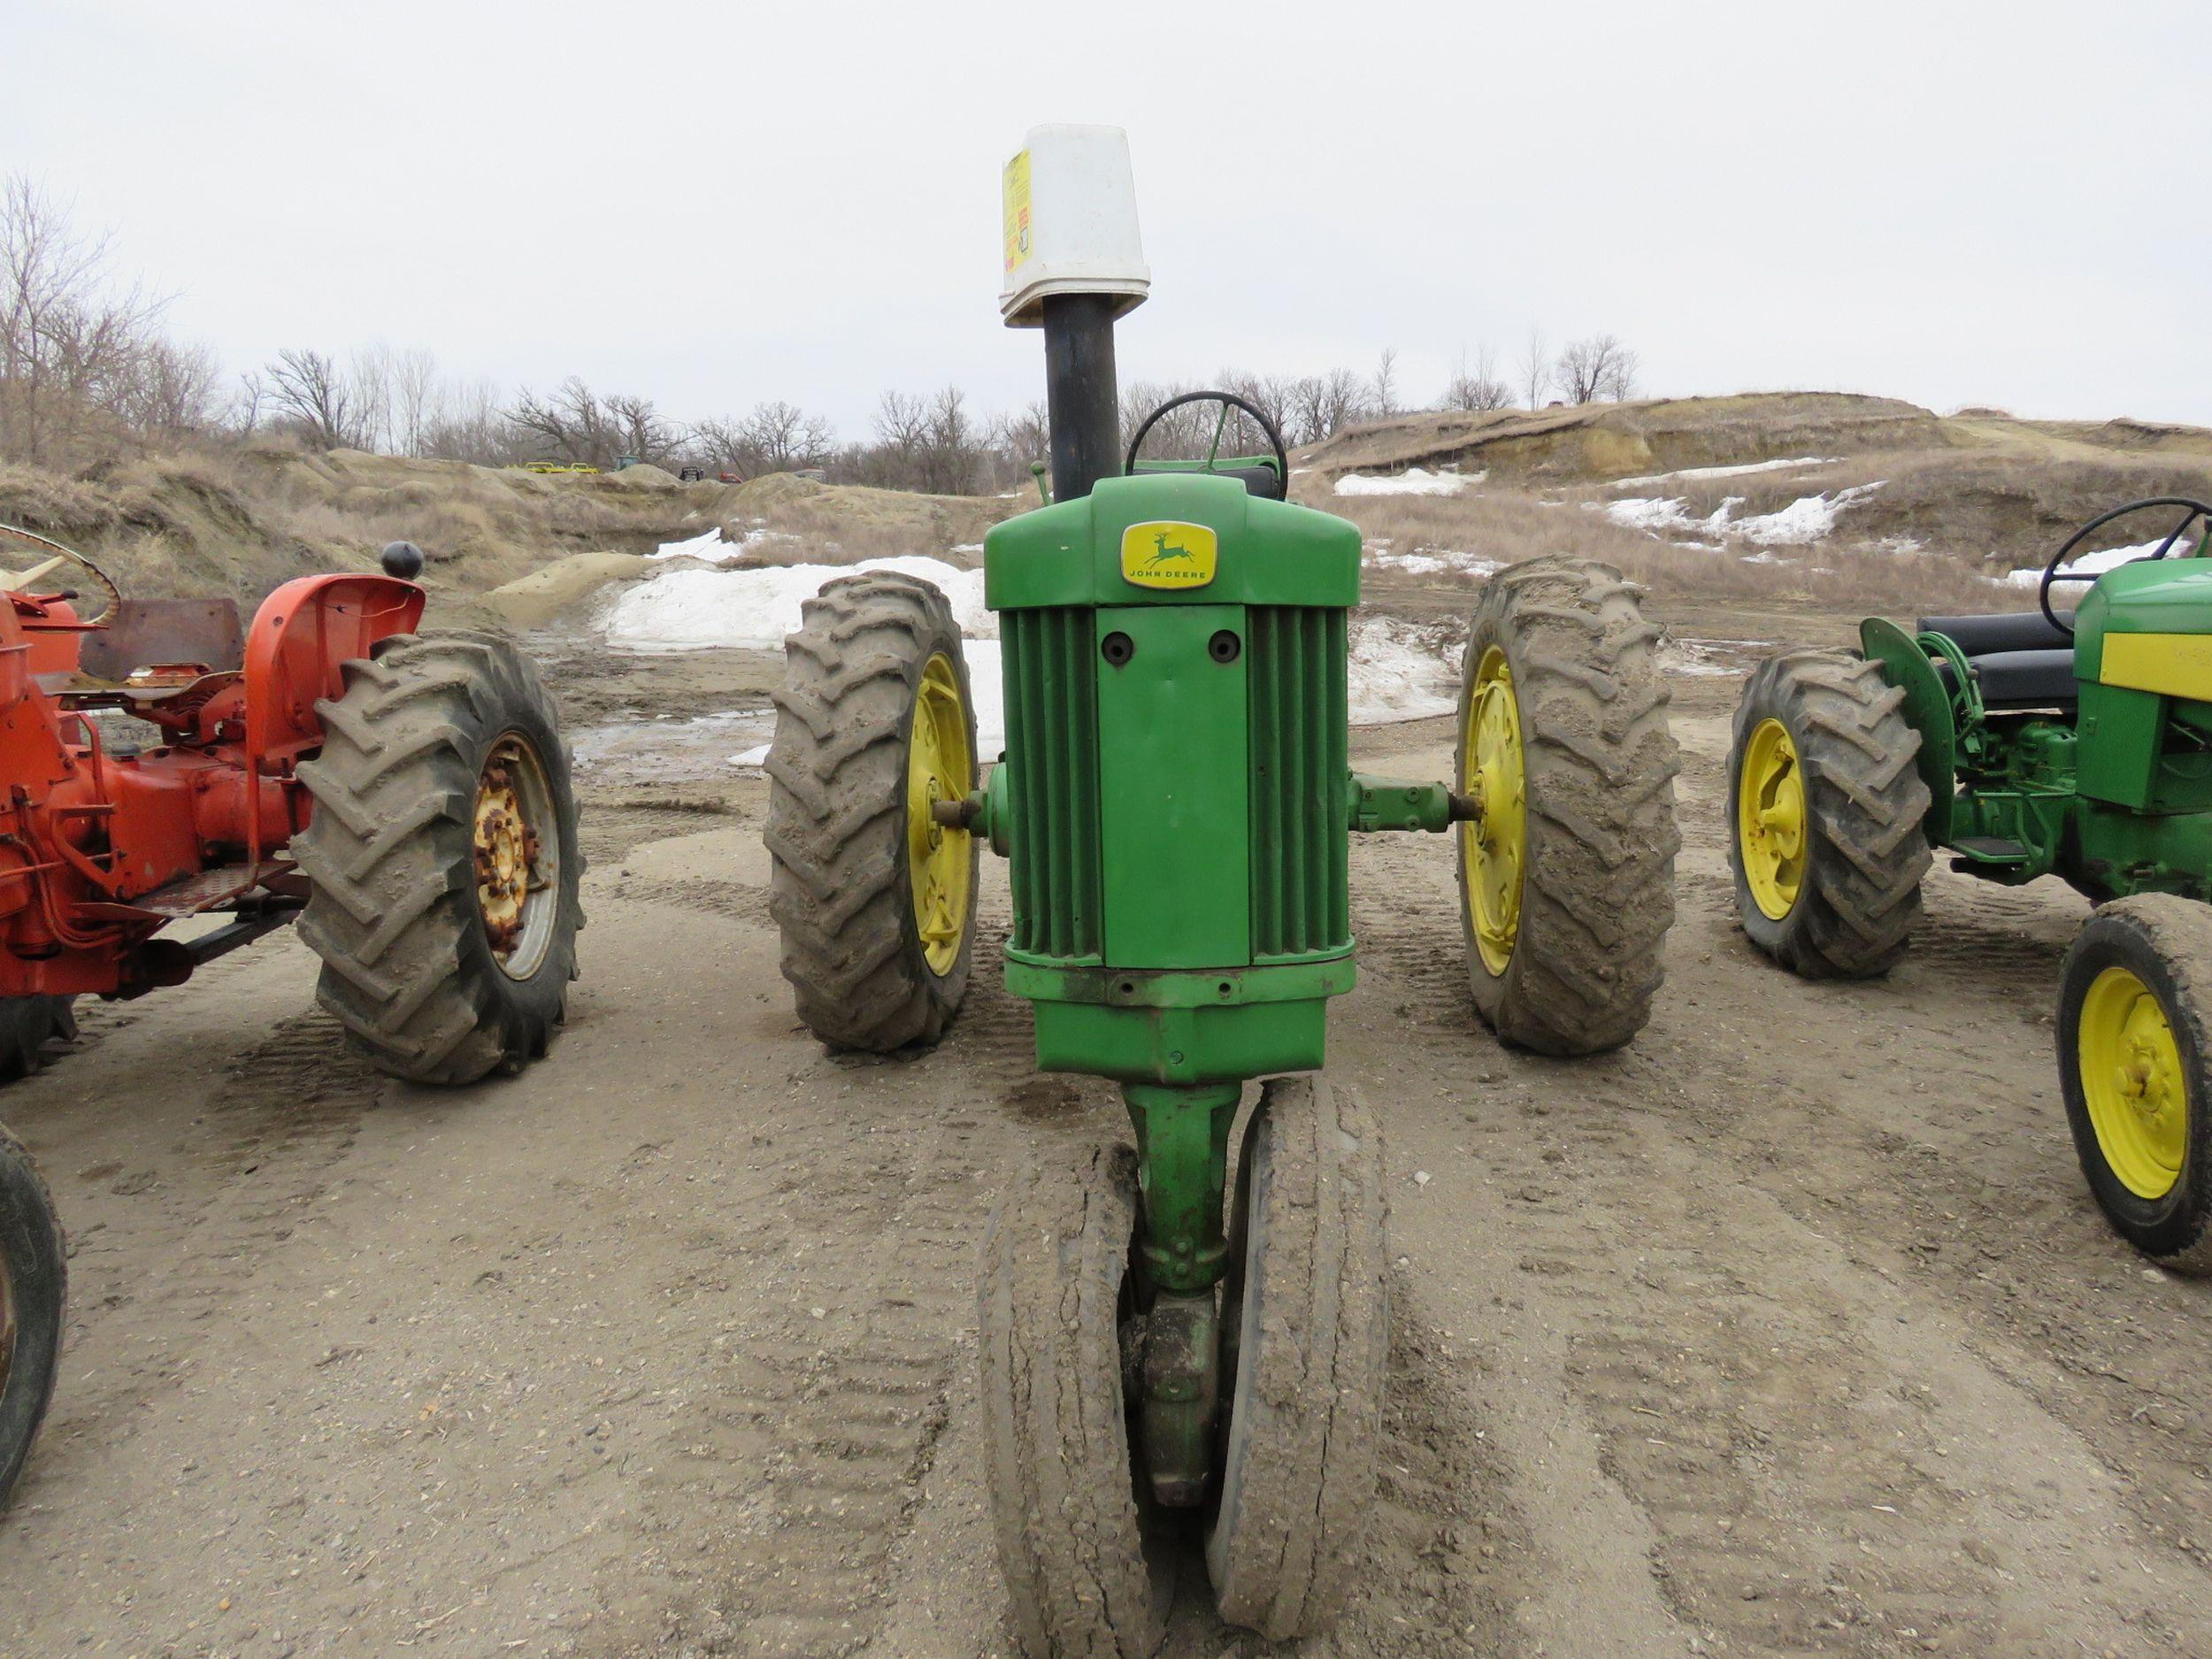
(517, 844)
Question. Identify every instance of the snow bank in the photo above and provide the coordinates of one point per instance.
(703, 610)
(1413, 482)
(709, 546)
(1429, 561)
(1807, 518)
(2092, 564)
(1401, 670)
(1724, 471)
(713, 549)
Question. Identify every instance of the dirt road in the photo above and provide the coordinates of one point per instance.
(1789, 1330)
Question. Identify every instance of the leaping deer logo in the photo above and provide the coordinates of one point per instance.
(1163, 554)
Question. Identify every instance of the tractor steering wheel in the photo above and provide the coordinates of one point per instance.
(2052, 574)
(1228, 401)
(14, 581)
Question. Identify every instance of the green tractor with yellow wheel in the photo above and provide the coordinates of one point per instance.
(1183, 1341)
(2074, 743)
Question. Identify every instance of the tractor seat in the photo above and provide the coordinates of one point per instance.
(2018, 679)
(1979, 636)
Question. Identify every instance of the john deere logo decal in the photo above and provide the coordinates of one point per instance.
(1169, 555)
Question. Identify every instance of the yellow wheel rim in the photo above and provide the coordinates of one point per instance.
(1494, 848)
(1771, 819)
(939, 767)
(2132, 1079)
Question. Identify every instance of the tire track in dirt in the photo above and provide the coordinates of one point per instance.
(251, 1168)
(822, 1402)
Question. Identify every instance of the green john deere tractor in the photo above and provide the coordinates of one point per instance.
(1176, 1365)
(2074, 743)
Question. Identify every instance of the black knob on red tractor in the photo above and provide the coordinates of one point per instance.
(403, 559)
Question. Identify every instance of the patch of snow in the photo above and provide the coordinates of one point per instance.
(712, 548)
(1430, 561)
(753, 756)
(967, 547)
(1807, 518)
(1724, 471)
(704, 609)
(1654, 514)
(1401, 670)
(2090, 563)
(1413, 482)
(709, 546)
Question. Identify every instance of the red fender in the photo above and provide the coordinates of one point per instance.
(301, 634)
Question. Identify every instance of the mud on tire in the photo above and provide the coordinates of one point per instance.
(1859, 896)
(409, 967)
(838, 810)
(1086, 1581)
(1308, 1295)
(1596, 893)
(36, 1286)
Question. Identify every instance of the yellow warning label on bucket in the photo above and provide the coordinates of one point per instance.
(1016, 196)
(1166, 554)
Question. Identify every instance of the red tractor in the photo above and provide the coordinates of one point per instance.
(405, 797)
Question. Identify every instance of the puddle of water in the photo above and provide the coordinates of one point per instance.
(671, 750)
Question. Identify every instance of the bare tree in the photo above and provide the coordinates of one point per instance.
(1535, 367)
(1477, 387)
(638, 429)
(72, 340)
(369, 381)
(414, 399)
(901, 429)
(1386, 382)
(169, 390)
(307, 389)
(1597, 366)
(578, 424)
(779, 437)
(949, 461)
(247, 403)
(471, 424)
(1271, 394)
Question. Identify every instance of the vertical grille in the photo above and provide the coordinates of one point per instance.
(1300, 841)
(1052, 725)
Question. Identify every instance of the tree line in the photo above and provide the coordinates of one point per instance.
(87, 364)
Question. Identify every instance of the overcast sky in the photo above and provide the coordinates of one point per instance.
(717, 205)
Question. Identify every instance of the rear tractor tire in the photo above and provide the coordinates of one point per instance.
(34, 1287)
(875, 900)
(1566, 878)
(2134, 1039)
(442, 859)
(1825, 808)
